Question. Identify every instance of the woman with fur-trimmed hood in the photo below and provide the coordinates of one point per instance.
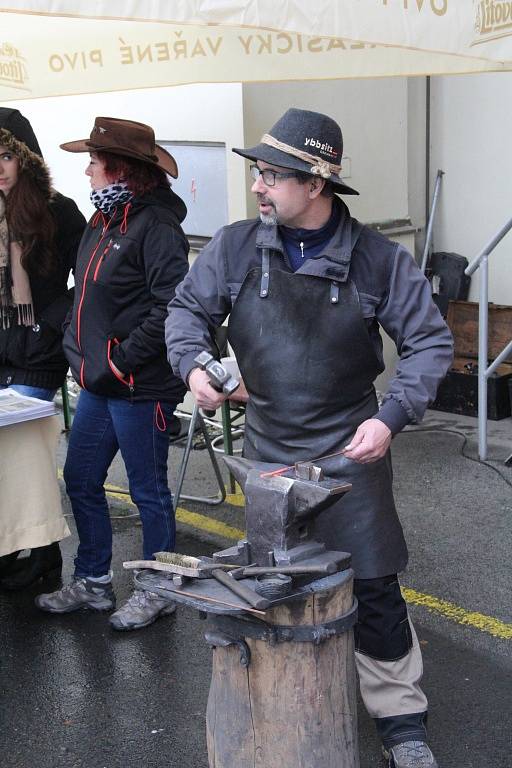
(40, 230)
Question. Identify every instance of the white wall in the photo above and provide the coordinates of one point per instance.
(183, 113)
(471, 143)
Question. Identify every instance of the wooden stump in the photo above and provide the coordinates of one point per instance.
(294, 706)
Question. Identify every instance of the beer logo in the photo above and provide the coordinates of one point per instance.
(13, 70)
(493, 19)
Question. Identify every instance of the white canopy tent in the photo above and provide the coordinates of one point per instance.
(64, 47)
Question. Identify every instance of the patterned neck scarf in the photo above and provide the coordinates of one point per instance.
(15, 294)
(106, 199)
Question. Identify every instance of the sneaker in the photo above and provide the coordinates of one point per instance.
(81, 595)
(140, 610)
(410, 754)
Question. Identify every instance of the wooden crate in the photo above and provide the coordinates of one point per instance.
(458, 392)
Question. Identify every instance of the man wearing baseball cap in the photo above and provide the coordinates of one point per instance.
(306, 288)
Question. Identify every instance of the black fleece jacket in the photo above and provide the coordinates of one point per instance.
(33, 355)
(128, 266)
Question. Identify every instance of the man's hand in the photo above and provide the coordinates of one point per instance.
(370, 442)
(240, 395)
(205, 395)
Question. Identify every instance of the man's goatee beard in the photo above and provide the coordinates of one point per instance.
(269, 218)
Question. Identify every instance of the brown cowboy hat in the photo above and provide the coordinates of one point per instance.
(128, 138)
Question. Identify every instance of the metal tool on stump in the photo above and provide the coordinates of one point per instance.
(283, 691)
(280, 508)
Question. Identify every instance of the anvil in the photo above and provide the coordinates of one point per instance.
(280, 505)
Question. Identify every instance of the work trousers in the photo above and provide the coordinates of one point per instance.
(140, 431)
(388, 661)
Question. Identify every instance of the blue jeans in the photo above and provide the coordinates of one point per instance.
(140, 430)
(40, 392)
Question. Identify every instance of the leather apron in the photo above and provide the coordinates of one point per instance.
(307, 361)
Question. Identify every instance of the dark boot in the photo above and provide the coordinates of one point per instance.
(43, 561)
(7, 563)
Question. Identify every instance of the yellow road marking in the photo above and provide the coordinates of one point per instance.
(455, 613)
(209, 524)
(194, 519)
(480, 621)
(235, 499)
(120, 496)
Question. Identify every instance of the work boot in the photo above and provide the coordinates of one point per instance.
(81, 595)
(42, 561)
(410, 754)
(140, 610)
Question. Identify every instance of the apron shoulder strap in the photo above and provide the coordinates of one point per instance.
(265, 272)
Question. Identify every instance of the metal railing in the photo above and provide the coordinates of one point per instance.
(484, 370)
(428, 237)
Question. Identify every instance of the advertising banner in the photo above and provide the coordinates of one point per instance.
(70, 47)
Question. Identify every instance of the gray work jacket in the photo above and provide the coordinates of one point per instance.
(393, 294)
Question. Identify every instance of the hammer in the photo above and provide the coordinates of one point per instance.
(220, 379)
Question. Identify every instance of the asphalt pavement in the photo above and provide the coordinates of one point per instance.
(76, 694)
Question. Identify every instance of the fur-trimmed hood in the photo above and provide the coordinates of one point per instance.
(19, 126)
(29, 162)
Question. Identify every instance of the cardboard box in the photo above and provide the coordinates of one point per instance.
(458, 392)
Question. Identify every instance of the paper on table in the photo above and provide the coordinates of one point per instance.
(15, 408)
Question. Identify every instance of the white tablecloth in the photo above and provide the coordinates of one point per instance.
(30, 503)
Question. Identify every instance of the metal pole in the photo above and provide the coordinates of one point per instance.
(483, 311)
(486, 250)
(227, 437)
(482, 261)
(430, 225)
(65, 407)
(503, 355)
(427, 146)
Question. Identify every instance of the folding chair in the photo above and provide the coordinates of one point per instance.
(197, 421)
(230, 427)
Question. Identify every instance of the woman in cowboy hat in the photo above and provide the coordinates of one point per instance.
(39, 235)
(132, 256)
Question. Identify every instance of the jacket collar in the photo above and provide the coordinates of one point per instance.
(333, 261)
